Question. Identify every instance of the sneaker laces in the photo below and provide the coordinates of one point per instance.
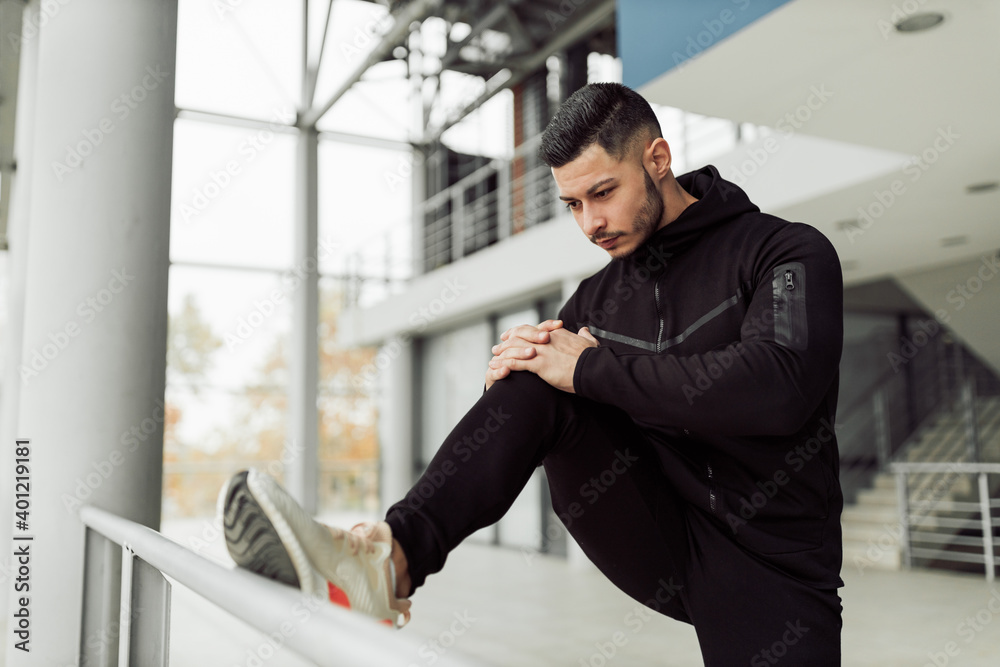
(369, 534)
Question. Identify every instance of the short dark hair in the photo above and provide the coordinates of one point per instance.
(611, 115)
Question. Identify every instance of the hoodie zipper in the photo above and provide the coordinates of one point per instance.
(711, 491)
(659, 311)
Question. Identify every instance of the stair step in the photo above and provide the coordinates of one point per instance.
(862, 533)
(858, 558)
(871, 529)
(885, 481)
(881, 497)
(877, 514)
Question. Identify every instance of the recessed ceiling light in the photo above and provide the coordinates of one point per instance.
(950, 241)
(918, 22)
(986, 186)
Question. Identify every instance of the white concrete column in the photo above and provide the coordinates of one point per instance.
(16, 265)
(95, 307)
(302, 450)
(396, 425)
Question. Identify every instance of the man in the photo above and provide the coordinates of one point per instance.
(686, 428)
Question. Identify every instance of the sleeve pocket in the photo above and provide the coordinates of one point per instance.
(788, 285)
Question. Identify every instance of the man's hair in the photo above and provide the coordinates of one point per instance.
(611, 115)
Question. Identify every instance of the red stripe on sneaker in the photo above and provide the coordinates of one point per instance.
(337, 596)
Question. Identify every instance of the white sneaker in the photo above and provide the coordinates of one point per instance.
(267, 532)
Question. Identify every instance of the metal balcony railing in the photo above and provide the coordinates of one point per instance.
(125, 587)
(500, 199)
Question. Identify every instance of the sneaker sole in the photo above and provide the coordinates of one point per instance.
(251, 538)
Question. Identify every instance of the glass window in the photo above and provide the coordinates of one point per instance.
(364, 217)
(348, 437)
(226, 380)
(241, 59)
(233, 197)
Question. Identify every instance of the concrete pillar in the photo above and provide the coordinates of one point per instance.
(396, 426)
(17, 256)
(95, 306)
(302, 451)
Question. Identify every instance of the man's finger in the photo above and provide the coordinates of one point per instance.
(528, 332)
(494, 374)
(513, 342)
(512, 353)
(516, 364)
(538, 334)
(585, 333)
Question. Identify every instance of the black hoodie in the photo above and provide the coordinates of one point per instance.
(721, 337)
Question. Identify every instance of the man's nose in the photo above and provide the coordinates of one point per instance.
(593, 223)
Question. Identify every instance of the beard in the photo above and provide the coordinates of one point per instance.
(649, 216)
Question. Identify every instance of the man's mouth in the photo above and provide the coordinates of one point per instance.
(608, 243)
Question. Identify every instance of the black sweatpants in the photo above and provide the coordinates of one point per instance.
(608, 489)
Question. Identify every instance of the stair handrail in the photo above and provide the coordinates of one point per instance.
(903, 469)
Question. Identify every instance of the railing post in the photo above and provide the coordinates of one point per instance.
(882, 440)
(987, 521)
(969, 413)
(903, 500)
(457, 224)
(125, 618)
(101, 600)
(941, 363)
(150, 616)
(145, 614)
(505, 222)
(959, 362)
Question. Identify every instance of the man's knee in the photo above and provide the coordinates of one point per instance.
(526, 381)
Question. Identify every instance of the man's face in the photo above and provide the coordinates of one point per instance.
(615, 203)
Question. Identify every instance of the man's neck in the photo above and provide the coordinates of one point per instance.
(675, 202)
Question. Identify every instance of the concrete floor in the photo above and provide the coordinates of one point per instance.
(523, 612)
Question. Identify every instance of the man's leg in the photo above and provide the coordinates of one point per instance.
(746, 612)
(603, 475)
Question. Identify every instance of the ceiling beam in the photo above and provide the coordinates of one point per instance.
(492, 18)
(588, 22)
(417, 10)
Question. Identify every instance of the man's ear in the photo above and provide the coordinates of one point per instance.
(658, 153)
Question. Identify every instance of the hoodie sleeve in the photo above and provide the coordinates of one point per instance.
(769, 381)
(568, 313)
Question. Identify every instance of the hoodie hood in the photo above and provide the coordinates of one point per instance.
(719, 201)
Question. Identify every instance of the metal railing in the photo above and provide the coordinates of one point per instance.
(499, 199)
(505, 197)
(939, 378)
(952, 516)
(125, 587)
(933, 420)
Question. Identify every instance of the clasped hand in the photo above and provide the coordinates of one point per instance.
(547, 350)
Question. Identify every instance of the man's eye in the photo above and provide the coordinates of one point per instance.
(572, 205)
(602, 194)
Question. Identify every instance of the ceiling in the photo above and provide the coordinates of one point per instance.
(931, 94)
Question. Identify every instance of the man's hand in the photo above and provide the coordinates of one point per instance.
(527, 333)
(553, 360)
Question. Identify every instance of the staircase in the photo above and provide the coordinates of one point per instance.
(872, 528)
